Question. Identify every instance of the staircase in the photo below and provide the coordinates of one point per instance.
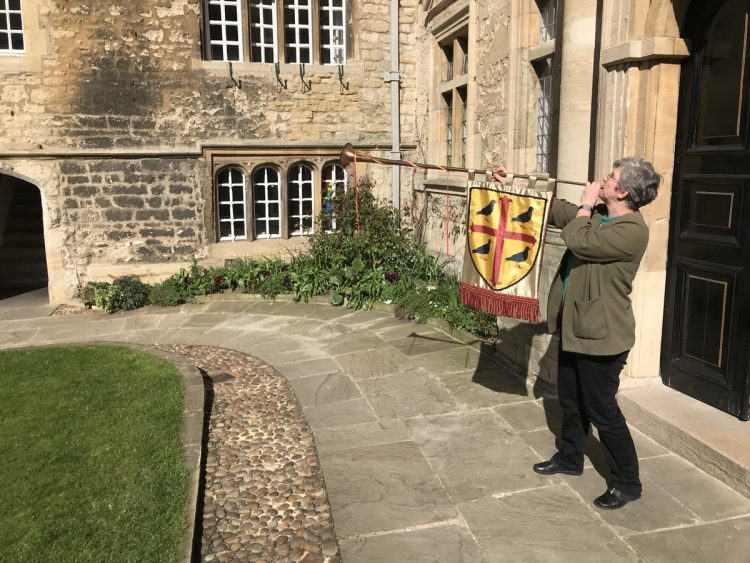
(23, 264)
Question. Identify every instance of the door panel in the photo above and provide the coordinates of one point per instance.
(707, 313)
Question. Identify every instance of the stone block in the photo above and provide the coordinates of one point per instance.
(128, 201)
(117, 215)
(151, 214)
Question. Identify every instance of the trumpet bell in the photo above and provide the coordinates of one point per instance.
(347, 155)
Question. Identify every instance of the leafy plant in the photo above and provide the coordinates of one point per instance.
(133, 292)
(175, 290)
(108, 297)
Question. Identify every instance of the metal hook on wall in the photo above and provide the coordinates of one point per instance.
(277, 68)
(341, 79)
(305, 85)
(235, 83)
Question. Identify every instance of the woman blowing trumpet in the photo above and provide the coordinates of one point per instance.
(589, 304)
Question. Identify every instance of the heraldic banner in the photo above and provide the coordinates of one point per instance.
(505, 233)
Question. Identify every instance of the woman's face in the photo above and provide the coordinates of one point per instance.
(610, 189)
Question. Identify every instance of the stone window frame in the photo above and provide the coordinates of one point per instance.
(223, 22)
(452, 73)
(329, 187)
(35, 17)
(295, 203)
(11, 27)
(231, 203)
(297, 33)
(250, 55)
(252, 186)
(453, 70)
(282, 164)
(545, 62)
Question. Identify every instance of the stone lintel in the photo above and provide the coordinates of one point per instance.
(654, 48)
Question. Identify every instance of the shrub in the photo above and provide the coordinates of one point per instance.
(175, 290)
(108, 297)
(133, 292)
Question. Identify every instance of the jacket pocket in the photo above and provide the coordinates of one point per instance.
(589, 321)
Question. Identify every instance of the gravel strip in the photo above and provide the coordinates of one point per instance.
(265, 498)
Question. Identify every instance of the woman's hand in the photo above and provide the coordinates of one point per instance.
(590, 193)
(499, 174)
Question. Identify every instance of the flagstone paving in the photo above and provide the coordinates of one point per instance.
(426, 443)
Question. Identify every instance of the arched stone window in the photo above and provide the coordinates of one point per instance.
(231, 204)
(333, 183)
(267, 202)
(300, 199)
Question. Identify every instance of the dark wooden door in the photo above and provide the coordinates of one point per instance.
(707, 315)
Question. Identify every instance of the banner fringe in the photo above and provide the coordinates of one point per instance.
(501, 304)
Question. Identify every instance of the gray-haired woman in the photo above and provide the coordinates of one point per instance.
(589, 304)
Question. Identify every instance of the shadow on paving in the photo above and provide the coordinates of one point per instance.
(499, 373)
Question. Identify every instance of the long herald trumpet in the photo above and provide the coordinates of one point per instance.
(349, 153)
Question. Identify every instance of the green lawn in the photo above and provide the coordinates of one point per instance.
(91, 463)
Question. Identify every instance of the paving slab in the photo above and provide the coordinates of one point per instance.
(706, 497)
(19, 337)
(445, 544)
(425, 344)
(338, 413)
(725, 542)
(461, 358)
(475, 454)
(406, 394)
(542, 525)
(373, 363)
(305, 367)
(377, 432)
(655, 510)
(354, 341)
(322, 389)
(381, 488)
(524, 417)
(407, 329)
(482, 389)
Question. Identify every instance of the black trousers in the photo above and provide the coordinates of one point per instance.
(586, 387)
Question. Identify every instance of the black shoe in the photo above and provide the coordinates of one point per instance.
(551, 467)
(613, 499)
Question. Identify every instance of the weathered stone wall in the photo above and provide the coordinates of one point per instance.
(129, 75)
(131, 210)
(128, 79)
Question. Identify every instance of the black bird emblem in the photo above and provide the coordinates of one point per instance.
(519, 256)
(523, 217)
(487, 210)
(484, 249)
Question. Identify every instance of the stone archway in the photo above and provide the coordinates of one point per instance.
(22, 250)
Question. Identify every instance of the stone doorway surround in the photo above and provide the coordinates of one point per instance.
(31, 175)
(638, 94)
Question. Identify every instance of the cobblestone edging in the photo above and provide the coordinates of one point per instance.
(265, 498)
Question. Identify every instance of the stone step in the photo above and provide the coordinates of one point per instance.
(716, 442)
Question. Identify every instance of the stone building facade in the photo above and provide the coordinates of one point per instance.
(124, 115)
(566, 87)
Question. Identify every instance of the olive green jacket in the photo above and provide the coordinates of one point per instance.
(597, 318)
